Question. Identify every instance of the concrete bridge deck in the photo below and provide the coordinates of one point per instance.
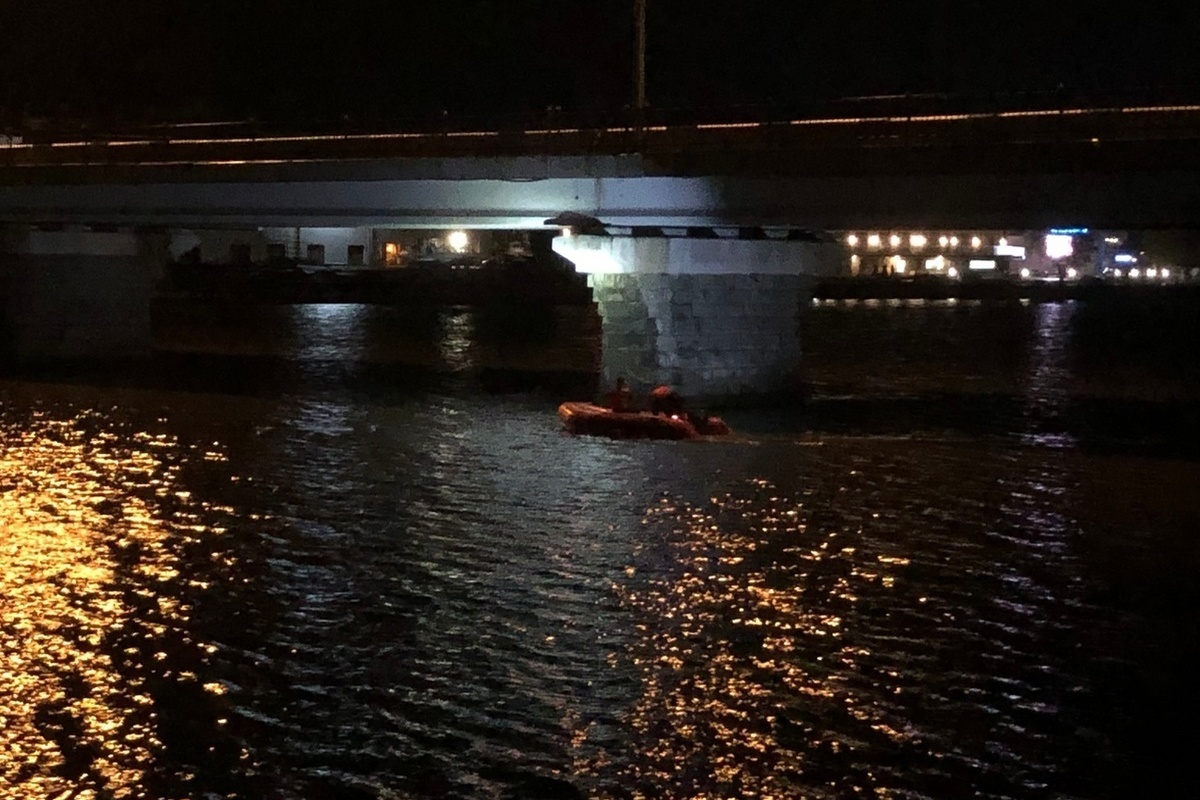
(1131, 167)
(1114, 167)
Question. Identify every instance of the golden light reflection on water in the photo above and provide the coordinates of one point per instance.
(80, 527)
(742, 651)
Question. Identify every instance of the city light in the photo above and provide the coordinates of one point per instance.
(1003, 242)
(1166, 273)
(976, 242)
(873, 241)
(1059, 245)
(458, 241)
(1072, 272)
(936, 264)
(852, 240)
(1133, 273)
(981, 264)
(1125, 258)
(952, 272)
(917, 241)
(1152, 273)
(1117, 273)
(943, 241)
(894, 240)
(1024, 272)
(953, 242)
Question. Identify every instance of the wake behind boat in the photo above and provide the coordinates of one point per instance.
(589, 419)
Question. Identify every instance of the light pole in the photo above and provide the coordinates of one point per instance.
(639, 63)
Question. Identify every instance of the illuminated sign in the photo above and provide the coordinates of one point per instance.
(1058, 245)
(980, 263)
(1068, 231)
(1125, 258)
(1010, 250)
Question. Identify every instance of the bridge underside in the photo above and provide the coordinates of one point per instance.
(716, 318)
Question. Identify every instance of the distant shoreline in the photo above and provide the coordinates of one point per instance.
(530, 282)
(939, 288)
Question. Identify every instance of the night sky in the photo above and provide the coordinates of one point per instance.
(386, 61)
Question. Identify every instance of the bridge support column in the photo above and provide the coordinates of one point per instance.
(719, 319)
(77, 293)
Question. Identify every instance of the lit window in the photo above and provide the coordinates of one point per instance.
(976, 242)
(458, 241)
(917, 241)
(873, 241)
(894, 241)
(852, 240)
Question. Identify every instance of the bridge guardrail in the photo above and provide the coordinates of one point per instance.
(795, 136)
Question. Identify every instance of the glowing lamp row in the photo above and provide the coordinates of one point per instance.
(916, 241)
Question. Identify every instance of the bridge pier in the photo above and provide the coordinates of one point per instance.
(717, 318)
(77, 293)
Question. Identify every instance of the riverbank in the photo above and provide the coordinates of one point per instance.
(936, 287)
(532, 282)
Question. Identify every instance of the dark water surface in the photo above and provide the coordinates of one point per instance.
(344, 552)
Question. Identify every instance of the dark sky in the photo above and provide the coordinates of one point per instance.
(391, 60)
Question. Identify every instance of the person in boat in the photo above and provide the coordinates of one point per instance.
(668, 402)
(619, 397)
(665, 400)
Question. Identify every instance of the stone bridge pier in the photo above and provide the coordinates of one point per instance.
(716, 316)
(77, 293)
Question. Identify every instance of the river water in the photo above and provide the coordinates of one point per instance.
(346, 552)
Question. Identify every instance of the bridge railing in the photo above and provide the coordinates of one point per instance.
(816, 135)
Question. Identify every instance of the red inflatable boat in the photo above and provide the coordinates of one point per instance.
(590, 419)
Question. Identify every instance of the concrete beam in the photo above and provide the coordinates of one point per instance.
(1122, 200)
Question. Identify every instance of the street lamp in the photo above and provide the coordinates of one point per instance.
(639, 64)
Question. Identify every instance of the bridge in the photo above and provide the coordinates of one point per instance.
(1119, 167)
(698, 237)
